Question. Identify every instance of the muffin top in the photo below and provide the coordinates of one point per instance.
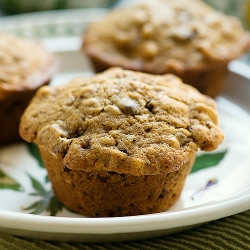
(123, 121)
(164, 35)
(24, 64)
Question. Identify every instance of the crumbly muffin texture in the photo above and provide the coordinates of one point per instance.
(122, 121)
(164, 35)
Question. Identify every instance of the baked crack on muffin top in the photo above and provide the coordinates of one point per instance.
(123, 121)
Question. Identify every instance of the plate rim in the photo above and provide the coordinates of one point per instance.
(127, 224)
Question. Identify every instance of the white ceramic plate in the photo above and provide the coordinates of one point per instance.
(209, 194)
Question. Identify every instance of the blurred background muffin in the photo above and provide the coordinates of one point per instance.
(237, 8)
(187, 38)
(25, 66)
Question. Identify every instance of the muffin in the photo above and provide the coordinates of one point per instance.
(24, 66)
(187, 38)
(120, 143)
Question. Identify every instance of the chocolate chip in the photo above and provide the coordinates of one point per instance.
(149, 106)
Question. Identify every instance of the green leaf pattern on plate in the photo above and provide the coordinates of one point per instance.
(6, 182)
(48, 201)
(34, 151)
(208, 160)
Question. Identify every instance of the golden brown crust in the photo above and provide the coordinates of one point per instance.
(24, 67)
(123, 121)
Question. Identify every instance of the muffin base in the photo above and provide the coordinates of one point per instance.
(107, 194)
